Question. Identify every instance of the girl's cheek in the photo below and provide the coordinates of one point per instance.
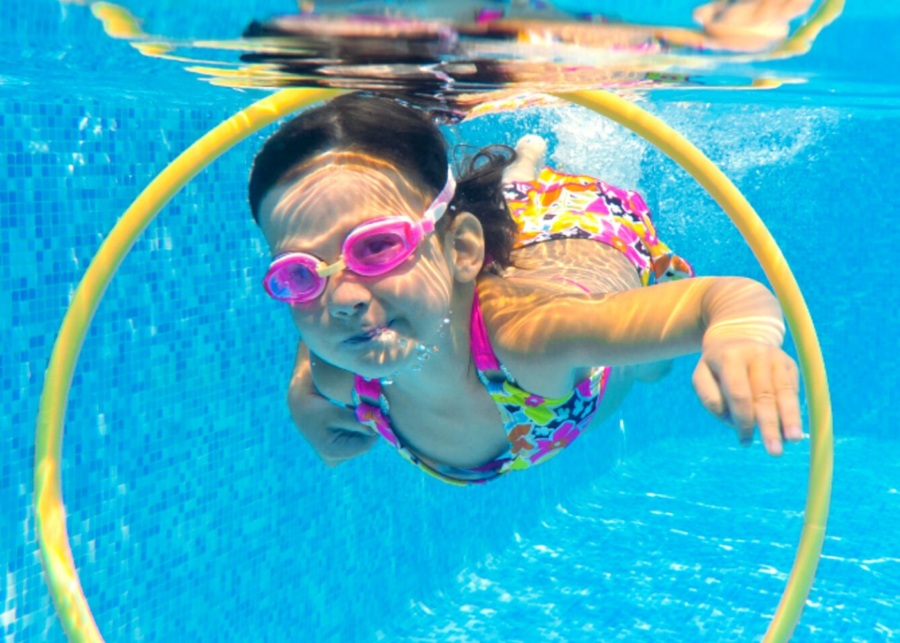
(305, 316)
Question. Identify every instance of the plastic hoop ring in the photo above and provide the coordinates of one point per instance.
(56, 554)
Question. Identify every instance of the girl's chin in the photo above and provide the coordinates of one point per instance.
(378, 368)
(378, 359)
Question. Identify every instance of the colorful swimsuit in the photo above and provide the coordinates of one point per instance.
(555, 206)
(565, 206)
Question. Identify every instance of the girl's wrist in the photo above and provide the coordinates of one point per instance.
(764, 329)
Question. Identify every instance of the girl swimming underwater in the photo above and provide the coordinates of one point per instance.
(480, 323)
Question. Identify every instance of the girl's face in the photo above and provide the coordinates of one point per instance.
(373, 326)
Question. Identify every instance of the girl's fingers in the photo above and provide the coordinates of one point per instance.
(336, 435)
(707, 389)
(332, 431)
(755, 388)
(344, 444)
(765, 403)
(738, 393)
(786, 379)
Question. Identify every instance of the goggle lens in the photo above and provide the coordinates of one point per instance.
(295, 280)
(376, 253)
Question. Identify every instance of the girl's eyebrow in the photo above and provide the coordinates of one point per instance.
(344, 159)
(384, 197)
(382, 194)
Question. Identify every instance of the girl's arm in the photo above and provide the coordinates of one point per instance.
(743, 378)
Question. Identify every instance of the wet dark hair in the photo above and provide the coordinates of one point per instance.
(407, 139)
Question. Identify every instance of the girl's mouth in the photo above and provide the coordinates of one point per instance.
(369, 335)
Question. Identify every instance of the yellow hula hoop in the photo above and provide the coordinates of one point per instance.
(56, 554)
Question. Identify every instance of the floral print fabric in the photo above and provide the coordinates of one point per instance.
(566, 206)
(537, 427)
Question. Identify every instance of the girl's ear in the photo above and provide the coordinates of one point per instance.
(464, 247)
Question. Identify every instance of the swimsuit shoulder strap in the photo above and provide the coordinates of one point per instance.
(482, 352)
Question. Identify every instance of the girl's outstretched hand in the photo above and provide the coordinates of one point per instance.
(748, 383)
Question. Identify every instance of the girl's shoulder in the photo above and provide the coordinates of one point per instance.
(524, 319)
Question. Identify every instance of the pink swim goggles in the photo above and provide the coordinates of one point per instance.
(371, 249)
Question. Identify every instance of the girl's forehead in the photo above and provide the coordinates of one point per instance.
(306, 211)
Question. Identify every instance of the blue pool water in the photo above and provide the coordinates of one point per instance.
(195, 510)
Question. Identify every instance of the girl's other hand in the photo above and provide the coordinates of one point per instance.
(747, 383)
(331, 430)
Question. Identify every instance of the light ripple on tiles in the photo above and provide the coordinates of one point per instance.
(650, 553)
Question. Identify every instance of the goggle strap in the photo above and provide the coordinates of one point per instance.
(324, 270)
(442, 200)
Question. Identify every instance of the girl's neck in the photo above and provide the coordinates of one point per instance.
(447, 363)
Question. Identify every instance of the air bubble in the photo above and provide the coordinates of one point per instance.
(403, 343)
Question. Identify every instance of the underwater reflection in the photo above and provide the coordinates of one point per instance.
(454, 58)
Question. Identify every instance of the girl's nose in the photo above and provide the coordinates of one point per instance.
(347, 297)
